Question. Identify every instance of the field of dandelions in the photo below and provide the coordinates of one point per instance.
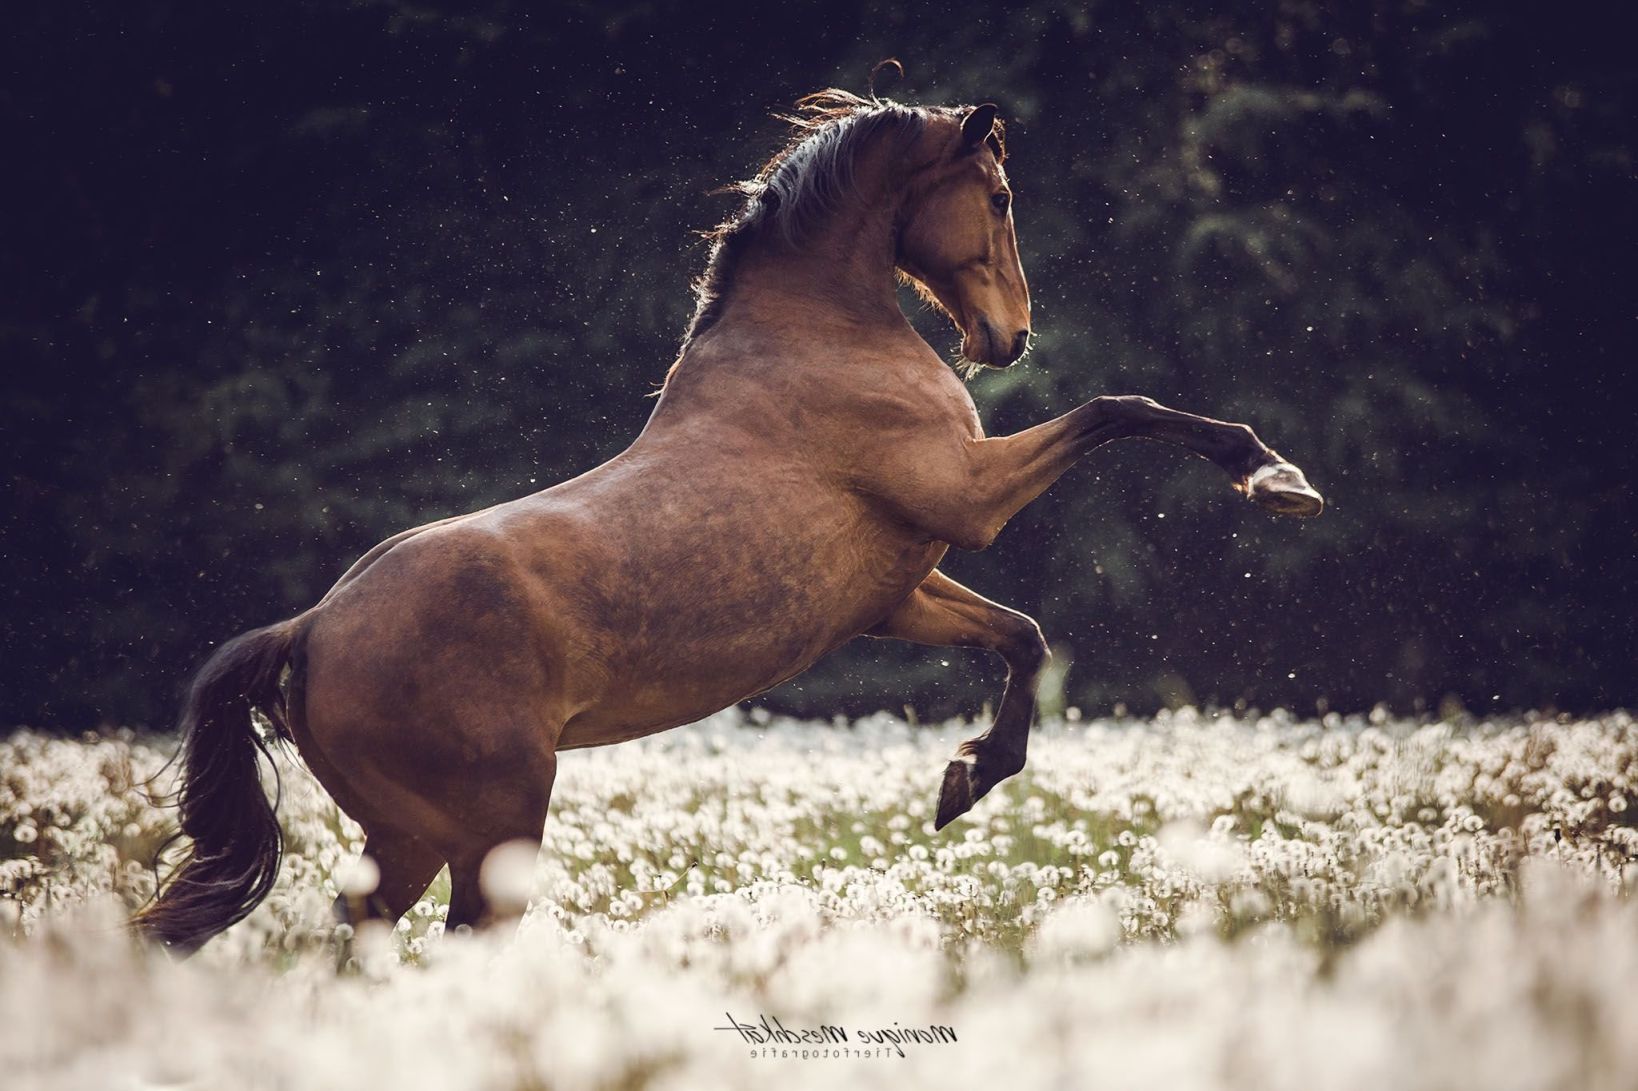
(1187, 902)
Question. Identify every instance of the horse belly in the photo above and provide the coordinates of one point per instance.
(709, 624)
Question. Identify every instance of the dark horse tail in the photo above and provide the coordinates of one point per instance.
(236, 842)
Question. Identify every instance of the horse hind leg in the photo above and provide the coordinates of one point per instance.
(488, 886)
(491, 869)
(405, 866)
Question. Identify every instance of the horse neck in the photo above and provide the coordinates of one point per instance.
(842, 274)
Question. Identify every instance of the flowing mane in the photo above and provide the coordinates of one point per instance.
(804, 182)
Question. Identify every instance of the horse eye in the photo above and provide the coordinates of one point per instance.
(1000, 201)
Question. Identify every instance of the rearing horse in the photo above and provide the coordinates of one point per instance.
(810, 458)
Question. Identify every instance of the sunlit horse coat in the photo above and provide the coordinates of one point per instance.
(807, 465)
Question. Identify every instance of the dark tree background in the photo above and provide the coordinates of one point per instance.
(281, 279)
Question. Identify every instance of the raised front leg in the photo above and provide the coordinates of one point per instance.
(944, 613)
(964, 491)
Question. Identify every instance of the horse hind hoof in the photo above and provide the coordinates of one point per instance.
(956, 796)
(1282, 489)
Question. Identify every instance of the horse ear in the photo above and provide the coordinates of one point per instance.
(977, 126)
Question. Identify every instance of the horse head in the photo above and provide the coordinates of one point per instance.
(957, 242)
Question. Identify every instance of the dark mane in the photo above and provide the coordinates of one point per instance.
(805, 181)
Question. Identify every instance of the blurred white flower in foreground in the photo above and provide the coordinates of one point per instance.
(1194, 902)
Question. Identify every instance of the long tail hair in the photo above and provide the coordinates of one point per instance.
(236, 848)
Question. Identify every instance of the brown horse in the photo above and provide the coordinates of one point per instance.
(809, 460)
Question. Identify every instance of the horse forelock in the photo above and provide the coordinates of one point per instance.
(805, 183)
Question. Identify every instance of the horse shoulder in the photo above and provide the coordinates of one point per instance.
(905, 415)
(911, 459)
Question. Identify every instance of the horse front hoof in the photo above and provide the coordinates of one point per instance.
(1282, 489)
(956, 797)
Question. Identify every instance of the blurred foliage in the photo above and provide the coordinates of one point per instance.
(284, 279)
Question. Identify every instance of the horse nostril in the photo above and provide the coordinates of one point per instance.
(992, 338)
(1020, 343)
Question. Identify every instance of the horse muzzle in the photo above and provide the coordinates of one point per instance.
(1000, 349)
